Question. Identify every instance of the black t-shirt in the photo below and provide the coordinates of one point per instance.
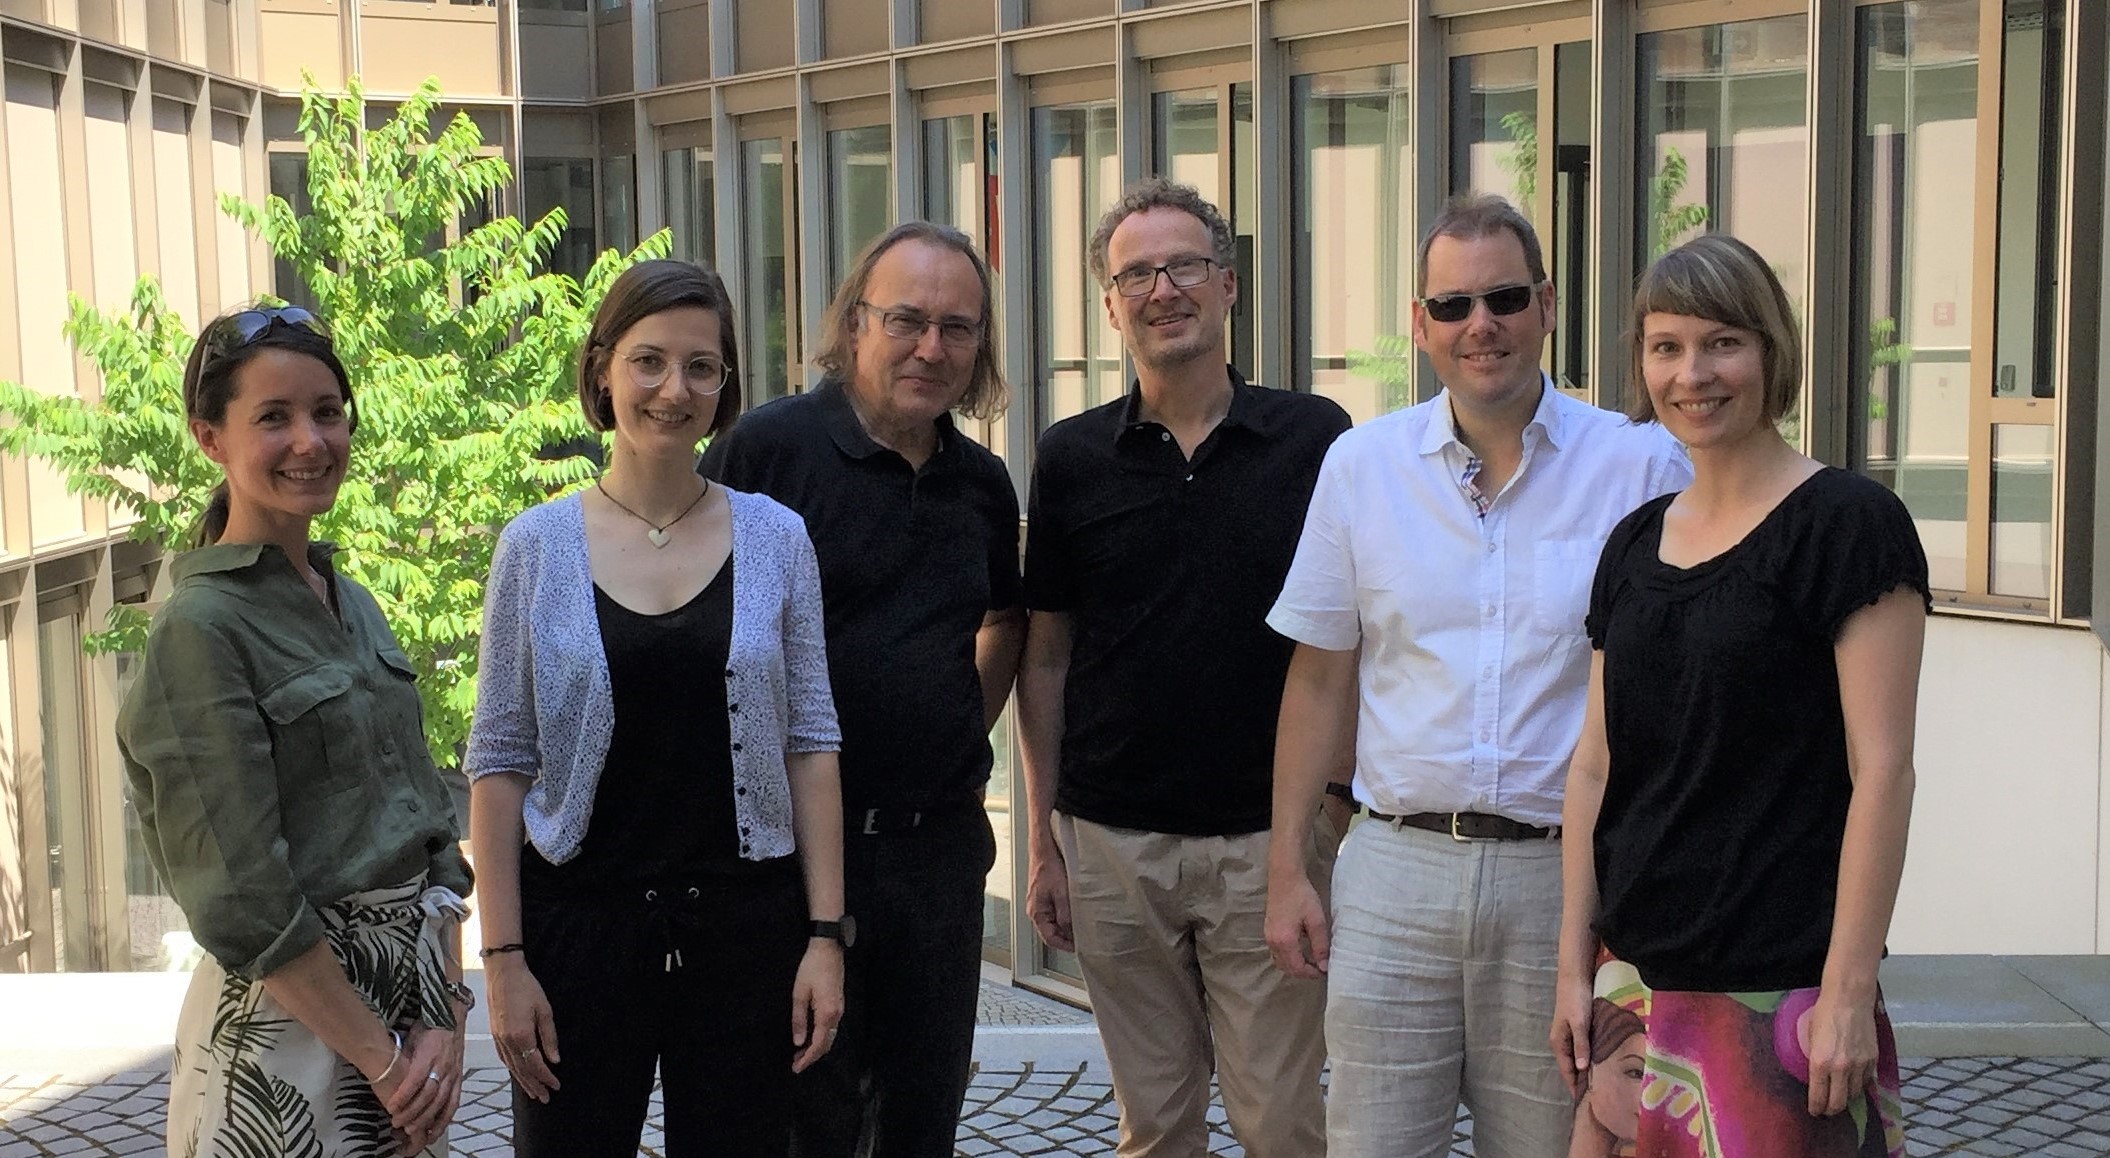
(1718, 843)
(663, 808)
(911, 561)
(1166, 568)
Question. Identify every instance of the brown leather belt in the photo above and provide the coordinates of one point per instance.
(1463, 826)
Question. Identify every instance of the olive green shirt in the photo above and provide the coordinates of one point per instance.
(277, 755)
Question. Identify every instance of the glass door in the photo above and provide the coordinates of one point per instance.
(69, 830)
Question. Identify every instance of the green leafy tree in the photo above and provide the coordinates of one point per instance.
(1521, 158)
(460, 355)
(1668, 220)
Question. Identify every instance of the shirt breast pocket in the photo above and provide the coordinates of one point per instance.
(1561, 573)
(315, 732)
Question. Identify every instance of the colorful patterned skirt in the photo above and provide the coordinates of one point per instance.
(1722, 1075)
(249, 1079)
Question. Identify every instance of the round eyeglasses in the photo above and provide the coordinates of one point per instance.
(650, 369)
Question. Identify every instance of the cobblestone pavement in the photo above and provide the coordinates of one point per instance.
(2040, 1107)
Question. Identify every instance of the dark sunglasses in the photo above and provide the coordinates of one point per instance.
(1510, 299)
(238, 330)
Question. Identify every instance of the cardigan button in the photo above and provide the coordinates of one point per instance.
(736, 747)
(739, 790)
(732, 707)
(728, 673)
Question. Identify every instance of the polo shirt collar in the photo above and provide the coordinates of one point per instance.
(849, 434)
(223, 557)
(1550, 419)
(1240, 414)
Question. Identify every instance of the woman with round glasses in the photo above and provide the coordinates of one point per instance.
(276, 756)
(654, 802)
(1738, 802)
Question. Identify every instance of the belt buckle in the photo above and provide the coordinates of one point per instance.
(1460, 837)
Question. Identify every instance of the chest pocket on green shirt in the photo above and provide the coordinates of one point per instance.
(317, 732)
(399, 715)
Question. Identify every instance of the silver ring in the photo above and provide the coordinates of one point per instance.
(530, 1051)
(433, 1076)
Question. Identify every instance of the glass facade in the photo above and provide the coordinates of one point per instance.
(1076, 174)
(1354, 239)
(689, 197)
(771, 341)
(860, 193)
(562, 183)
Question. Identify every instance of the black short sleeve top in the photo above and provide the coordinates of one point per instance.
(1717, 845)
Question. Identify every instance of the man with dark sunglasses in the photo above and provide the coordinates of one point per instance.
(1437, 604)
(1160, 526)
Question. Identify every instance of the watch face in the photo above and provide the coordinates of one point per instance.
(843, 932)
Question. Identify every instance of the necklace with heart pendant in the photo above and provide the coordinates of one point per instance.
(656, 534)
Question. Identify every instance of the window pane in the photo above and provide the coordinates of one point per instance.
(289, 182)
(765, 286)
(958, 158)
(1495, 125)
(2029, 204)
(997, 889)
(1183, 140)
(65, 792)
(2022, 462)
(1568, 241)
(1914, 207)
(618, 217)
(1353, 242)
(691, 196)
(1725, 139)
(860, 188)
(563, 183)
(1076, 174)
(1245, 221)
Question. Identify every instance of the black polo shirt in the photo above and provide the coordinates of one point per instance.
(1166, 569)
(911, 561)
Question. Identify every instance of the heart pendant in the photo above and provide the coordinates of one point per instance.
(659, 538)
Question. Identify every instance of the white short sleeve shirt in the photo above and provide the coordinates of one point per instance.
(1474, 669)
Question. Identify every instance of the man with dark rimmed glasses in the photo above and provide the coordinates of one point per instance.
(1437, 604)
(915, 527)
(1160, 527)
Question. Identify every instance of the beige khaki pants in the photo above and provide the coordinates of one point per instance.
(1170, 935)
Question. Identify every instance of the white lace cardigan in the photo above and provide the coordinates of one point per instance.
(544, 708)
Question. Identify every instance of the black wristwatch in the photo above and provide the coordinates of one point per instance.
(843, 932)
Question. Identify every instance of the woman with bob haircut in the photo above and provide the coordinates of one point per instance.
(654, 803)
(275, 747)
(1744, 775)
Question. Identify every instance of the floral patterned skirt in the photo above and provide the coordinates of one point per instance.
(1721, 1075)
(250, 1080)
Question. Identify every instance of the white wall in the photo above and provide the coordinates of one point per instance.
(2010, 848)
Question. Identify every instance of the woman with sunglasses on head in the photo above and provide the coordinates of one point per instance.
(275, 750)
(1738, 802)
(654, 802)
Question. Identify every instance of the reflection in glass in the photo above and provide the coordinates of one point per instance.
(1076, 174)
(1568, 241)
(1495, 126)
(959, 163)
(1186, 145)
(1353, 243)
(860, 193)
(1725, 139)
(690, 194)
(1183, 133)
(618, 208)
(2024, 318)
(562, 183)
(1914, 199)
(766, 278)
(2021, 547)
(1245, 221)
(65, 792)
(289, 182)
